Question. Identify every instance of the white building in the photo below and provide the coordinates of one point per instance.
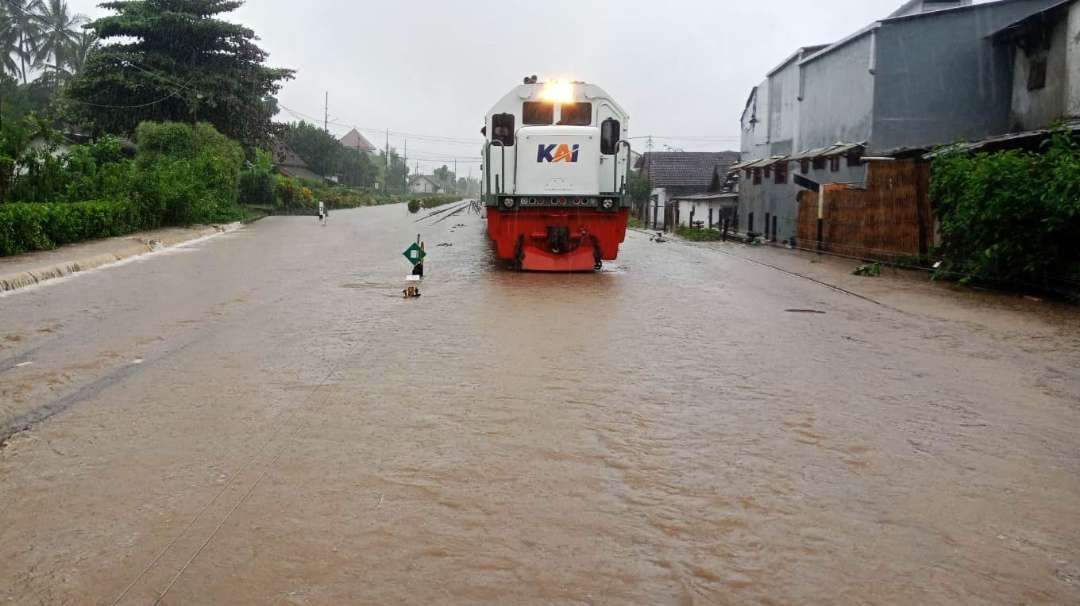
(423, 184)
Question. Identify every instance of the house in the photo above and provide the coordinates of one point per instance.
(678, 174)
(929, 74)
(287, 162)
(354, 140)
(712, 209)
(423, 184)
(1045, 50)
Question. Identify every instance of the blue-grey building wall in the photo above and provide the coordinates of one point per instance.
(769, 199)
(940, 79)
(838, 95)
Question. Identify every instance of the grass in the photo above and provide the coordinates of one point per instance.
(699, 235)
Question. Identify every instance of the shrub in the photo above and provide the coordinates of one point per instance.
(187, 174)
(699, 235)
(257, 182)
(40, 226)
(1010, 216)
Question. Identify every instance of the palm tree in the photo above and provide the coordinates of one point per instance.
(22, 17)
(9, 44)
(85, 42)
(58, 33)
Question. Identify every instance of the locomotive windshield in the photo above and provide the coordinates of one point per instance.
(537, 114)
(578, 114)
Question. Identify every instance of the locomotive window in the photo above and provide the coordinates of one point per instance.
(610, 131)
(537, 114)
(502, 128)
(578, 114)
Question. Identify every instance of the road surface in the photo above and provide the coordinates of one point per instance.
(262, 419)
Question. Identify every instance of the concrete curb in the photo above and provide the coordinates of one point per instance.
(125, 249)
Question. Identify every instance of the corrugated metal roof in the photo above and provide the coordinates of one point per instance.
(999, 140)
(837, 149)
(701, 197)
(1032, 19)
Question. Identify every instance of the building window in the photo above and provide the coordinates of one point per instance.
(834, 164)
(781, 173)
(749, 173)
(854, 159)
(819, 163)
(1037, 74)
(768, 172)
(757, 176)
(804, 165)
(750, 223)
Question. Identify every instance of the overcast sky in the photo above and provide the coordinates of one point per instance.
(682, 68)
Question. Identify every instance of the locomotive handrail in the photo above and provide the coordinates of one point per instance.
(517, 160)
(502, 172)
(629, 155)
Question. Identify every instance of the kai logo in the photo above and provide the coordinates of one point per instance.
(558, 153)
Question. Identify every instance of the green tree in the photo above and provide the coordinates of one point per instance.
(445, 177)
(175, 60)
(394, 172)
(318, 148)
(57, 36)
(22, 20)
(82, 45)
(9, 43)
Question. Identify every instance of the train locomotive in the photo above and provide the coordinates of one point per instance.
(556, 161)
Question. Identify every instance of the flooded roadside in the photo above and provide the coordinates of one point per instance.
(663, 432)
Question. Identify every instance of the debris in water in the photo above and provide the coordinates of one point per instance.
(804, 311)
(411, 292)
(444, 244)
(24, 364)
(871, 270)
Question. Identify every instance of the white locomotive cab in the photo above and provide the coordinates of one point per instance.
(553, 142)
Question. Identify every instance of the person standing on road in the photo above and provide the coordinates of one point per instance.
(322, 212)
(418, 269)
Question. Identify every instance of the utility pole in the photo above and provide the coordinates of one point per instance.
(386, 176)
(326, 113)
(455, 174)
(648, 173)
(405, 166)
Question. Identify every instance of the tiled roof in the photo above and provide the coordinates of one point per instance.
(685, 169)
(354, 140)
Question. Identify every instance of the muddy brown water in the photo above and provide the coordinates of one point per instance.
(261, 418)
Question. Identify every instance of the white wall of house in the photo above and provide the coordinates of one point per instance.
(700, 210)
(422, 186)
(656, 208)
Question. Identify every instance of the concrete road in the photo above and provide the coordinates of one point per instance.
(261, 418)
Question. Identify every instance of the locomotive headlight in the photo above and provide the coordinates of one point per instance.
(558, 92)
(607, 204)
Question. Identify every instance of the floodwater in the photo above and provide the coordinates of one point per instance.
(262, 418)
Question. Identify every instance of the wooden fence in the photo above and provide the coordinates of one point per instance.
(891, 217)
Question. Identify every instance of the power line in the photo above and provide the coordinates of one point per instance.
(425, 137)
